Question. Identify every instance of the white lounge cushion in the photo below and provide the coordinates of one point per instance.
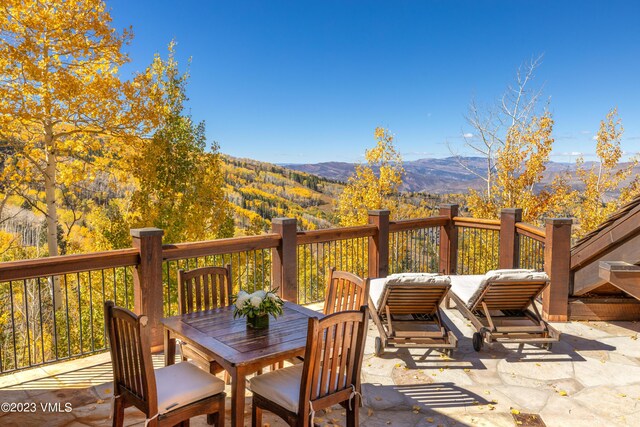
(184, 383)
(377, 286)
(469, 287)
(466, 285)
(413, 278)
(281, 386)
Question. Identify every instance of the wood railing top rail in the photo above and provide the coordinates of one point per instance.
(536, 233)
(413, 224)
(67, 264)
(331, 234)
(487, 224)
(220, 246)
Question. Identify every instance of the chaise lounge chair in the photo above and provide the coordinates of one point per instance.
(501, 306)
(406, 309)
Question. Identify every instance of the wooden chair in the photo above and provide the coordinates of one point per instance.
(203, 289)
(329, 375)
(501, 305)
(168, 396)
(345, 291)
(406, 310)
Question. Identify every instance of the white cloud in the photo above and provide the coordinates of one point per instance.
(594, 137)
(468, 135)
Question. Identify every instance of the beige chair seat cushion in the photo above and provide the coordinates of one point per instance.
(470, 287)
(377, 286)
(184, 383)
(281, 386)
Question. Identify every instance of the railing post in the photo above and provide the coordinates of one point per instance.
(285, 259)
(379, 244)
(449, 241)
(509, 241)
(147, 280)
(557, 264)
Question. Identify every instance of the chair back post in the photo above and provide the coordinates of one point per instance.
(130, 347)
(204, 288)
(333, 359)
(345, 291)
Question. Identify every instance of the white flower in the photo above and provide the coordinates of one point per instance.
(256, 301)
(260, 294)
(272, 296)
(242, 299)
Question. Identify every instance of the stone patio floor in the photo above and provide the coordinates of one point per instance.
(590, 378)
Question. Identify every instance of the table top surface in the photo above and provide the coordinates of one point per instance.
(217, 332)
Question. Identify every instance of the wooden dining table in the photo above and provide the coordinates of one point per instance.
(239, 349)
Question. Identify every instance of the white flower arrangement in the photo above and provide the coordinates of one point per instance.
(258, 303)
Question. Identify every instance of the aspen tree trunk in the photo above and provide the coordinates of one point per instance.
(52, 211)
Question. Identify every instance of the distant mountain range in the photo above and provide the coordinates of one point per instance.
(436, 176)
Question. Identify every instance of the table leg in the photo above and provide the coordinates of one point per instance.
(169, 348)
(238, 380)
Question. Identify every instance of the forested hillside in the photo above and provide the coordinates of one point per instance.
(261, 191)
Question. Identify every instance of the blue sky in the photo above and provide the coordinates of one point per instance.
(308, 81)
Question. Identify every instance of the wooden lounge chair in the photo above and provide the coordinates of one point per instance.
(168, 396)
(406, 310)
(329, 375)
(501, 306)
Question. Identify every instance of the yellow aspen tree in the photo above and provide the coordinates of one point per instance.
(63, 106)
(374, 184)
(520, 164)
(179, 182)
(595, 201)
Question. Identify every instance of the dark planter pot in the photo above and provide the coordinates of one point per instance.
(258, 322)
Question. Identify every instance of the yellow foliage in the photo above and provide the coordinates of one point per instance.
(365, 190)
(605, 176)
(520, 164)
(60, 92)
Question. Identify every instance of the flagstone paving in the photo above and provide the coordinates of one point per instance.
(590, 378)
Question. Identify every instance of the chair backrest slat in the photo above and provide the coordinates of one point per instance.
(345, 291)
(510, 295)
(204, 288)
(131, 357)
(410, 298)
(333, 358)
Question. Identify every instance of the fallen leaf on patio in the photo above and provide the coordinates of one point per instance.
(378, 398)
(634, 337)
(329, 410)
(398, 365)
(467, 370)
(429, 419)
(343, 413)
(537, 364)
(519, 422)
(415, 409)
(514, 411)
(99, 401)
(388, 422)
(495, 401)
(434, 374)
(487, 392)
(491, 407)
(562, 393)
(369, 411)
(622, 395)
(441, 369)
(107, 390)
(475, 402)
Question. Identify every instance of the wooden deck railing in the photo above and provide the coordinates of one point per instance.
(37, 328)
